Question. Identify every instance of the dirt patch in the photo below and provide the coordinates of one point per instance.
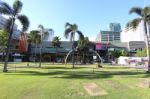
(144, 83)
(116, 85)
(94, 90)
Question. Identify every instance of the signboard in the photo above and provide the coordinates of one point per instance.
(99, 46)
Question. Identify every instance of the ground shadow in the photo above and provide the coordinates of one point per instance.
(54, 67)
(75, 74)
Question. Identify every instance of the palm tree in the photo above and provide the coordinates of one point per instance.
(3, 41)
(56, 43)
(41, 27)
(83, 47)
(34, 38)
(13, 13)
(71, 30)
(43, 34)
(144, 16)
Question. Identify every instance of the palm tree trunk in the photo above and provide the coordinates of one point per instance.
(40, 55)
(8, 47)
(3, 54)
(56, 54)
(41, 50)
(147, 45)
(83, 58)
(73, 51)
(35, 51)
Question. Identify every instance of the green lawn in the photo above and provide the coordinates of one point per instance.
(62, 82)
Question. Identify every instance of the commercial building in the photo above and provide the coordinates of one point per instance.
(137, 34)
(49, 36)
(108, 37)
(134, 37)
(131, 39)
(51, 54)
(16, 31)
(15, 36)
(113, 35)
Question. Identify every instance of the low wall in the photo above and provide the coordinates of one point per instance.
(132, 60)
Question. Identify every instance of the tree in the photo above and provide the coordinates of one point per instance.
(71, 30)
(83, 47)
(144, 16)
(34, 38)
(124, 53)
(56, 43)
(141, 53)
(42, 34)
(3, 41)
(116, 53)
(13, 13)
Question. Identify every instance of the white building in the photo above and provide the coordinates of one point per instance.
(137, 34)
(49, 36)
(135, 37)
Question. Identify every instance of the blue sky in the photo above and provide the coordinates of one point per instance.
(91, 16)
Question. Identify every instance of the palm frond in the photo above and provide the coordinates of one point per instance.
(46, 33)
(146, 11)
(68, 25)
(17, 6)
(24, 21)
(81, 36)
(67, 31)
(56, 41)
(41, 27)
(34, 37)
(148, 19)
(51, 30)
(133, 24)
(34, 32)
(5, 8)
(136, 10)
(8, 25)
(75, 27)
(72, 35)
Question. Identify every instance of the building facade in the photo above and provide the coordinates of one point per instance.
(49, 36)
(14, 40)
(133, 34)
(135, 37)
(16, 31)
(108, 36)
(113, 35)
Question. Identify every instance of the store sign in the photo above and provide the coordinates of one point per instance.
(99, 46)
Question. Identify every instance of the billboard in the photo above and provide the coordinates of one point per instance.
(99, 46)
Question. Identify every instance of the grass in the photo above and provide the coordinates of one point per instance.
(62, 82)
